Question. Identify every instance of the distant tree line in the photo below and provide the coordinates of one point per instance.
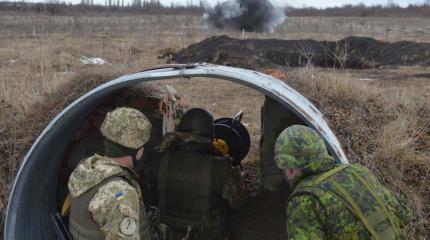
(361, 10)
(57, 7)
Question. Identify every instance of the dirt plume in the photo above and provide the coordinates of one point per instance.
(249, 15)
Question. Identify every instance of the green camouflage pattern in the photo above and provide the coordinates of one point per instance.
(299, 146)
(127, 127)
(115, 201)
(314, 211)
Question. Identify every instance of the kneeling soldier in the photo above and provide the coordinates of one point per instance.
(106, 199)
(334, 201)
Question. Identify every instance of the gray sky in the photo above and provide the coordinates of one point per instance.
(313, 3)
(280, 3)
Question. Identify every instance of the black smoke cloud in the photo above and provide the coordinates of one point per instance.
(251, 15)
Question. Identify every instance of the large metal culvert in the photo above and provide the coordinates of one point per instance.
(33, 198)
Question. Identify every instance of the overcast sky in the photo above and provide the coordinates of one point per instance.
(313, 3)
(280, 3)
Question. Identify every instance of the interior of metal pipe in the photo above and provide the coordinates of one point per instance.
(34, 195)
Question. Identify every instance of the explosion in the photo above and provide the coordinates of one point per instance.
(250, 15)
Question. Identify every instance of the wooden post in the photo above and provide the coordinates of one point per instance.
(388, 33)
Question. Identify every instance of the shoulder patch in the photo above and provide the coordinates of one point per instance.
(119, 196)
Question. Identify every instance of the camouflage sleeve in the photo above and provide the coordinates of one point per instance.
(234, 189)
(399, 207)
(303, 220)
(115, 208)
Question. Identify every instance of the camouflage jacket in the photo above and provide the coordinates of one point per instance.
(116, 207)
(190, 170)
(316, 212)
(234, 189)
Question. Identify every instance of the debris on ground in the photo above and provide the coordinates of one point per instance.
(351, 52)
(93, 61)
(277, 73)
(167, 53)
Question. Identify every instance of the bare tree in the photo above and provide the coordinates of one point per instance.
(51, 6)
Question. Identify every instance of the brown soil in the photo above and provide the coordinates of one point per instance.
(351, 52)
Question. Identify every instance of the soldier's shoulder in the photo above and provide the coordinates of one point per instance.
(117, 185)
(221, 162)
(114, 200)
(364, 172)
(90, 172)
(111, 193)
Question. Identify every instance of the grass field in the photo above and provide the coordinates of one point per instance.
(381, 116)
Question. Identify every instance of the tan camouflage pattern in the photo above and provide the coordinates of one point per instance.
(90, 172)
(127, 127)
(109, 210)
(298, 146)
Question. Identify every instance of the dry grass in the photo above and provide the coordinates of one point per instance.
(184, 27)
(385, 129)
(381, 124)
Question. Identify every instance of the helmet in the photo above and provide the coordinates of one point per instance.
(300, 146)
(197, 120)
(127, 127)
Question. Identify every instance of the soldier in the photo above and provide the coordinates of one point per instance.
(106, 199)
(194, 184)
(334, 201)
(155, 103)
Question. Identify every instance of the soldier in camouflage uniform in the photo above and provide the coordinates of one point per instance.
(194, 185)
(106, 199)
(334, 201)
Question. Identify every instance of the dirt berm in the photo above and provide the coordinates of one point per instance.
(351, 52)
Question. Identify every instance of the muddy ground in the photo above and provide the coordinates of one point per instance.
(351, 52)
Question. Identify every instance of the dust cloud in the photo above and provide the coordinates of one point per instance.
(250, 15)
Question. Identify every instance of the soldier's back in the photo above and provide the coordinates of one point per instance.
(351, 203)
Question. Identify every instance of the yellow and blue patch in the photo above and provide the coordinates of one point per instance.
(119, 196)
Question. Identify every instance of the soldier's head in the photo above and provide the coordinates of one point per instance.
(198, 121)
(300, 150)
(125, 131)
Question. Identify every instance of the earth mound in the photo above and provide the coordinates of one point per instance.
(351, 52)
